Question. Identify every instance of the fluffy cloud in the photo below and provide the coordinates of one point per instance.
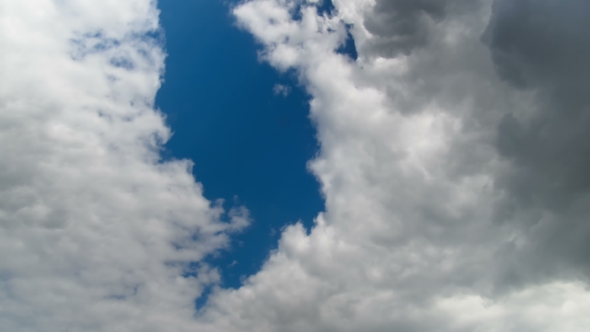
(96, 232)
(452, 162)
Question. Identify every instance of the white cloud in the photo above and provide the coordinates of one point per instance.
(96, 232)
(417, 234)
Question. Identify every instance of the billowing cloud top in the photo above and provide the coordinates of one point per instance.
(454, 157)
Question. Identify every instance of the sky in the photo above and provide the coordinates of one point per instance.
(250, 144)
(294, 165)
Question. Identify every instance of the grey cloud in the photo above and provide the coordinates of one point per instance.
(542, 44)
(528, 104)
(402, 25)
(542, 48)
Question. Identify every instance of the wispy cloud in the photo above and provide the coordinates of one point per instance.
(282, 90)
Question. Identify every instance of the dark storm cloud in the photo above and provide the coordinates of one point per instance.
(542, 44)
(543, 47)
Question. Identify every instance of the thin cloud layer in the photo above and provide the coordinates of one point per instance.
(96, 232)
(452, 161)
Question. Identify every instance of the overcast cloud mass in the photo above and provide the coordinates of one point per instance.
(454, 164)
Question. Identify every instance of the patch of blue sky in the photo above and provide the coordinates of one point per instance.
(244, 125)
(349, 47)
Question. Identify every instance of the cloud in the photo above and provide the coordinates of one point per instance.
(282, 90)
(541, 48)
(401, 25)
(97, 233)
(451, 162)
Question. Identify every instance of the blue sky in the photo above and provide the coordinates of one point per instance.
(250, 145)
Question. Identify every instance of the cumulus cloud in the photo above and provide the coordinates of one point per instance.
(452, 161)
(97, 233)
